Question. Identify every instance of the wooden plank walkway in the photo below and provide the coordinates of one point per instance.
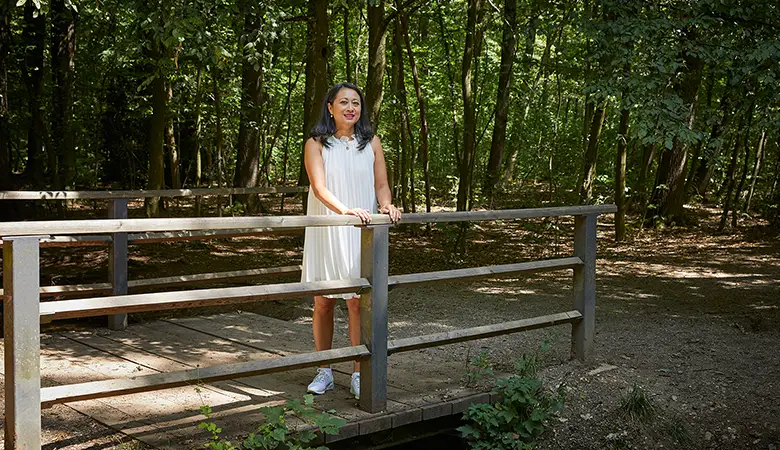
(419, 387)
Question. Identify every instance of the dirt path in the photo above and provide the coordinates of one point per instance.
(690, 316)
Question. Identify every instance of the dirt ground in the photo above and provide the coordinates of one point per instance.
(690, 316)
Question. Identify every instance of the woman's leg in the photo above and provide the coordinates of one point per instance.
(353, 305)
(322, 323)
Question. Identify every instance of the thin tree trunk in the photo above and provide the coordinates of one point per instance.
(423, 116)
(156, 145)
(728, 183)
(498, 142)
(701, 179)
(620, 177)
(34, 35)
(451, 78)
(399, 91)
(469, 87)
(591, 154)
(317, 53)
(63, 49)
(5, 130)
(196, 138)
(218, 133)
(170, 144)
(347, 55)
(756, 170)
(530, 43)
(286, 155)
(377, 60)
(740, 187)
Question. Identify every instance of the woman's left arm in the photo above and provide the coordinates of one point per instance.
(381, 186)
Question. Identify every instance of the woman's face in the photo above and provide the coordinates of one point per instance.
(345, 108)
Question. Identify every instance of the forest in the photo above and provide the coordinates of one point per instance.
(650, 105)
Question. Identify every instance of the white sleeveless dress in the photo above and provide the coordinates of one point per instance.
(333, 253)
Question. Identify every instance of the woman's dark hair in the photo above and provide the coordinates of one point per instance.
(326, 126)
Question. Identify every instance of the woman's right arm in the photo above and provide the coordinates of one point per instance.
(315, 167)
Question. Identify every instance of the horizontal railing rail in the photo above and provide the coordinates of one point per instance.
(23, 310)
(128, 194)
(98, 226)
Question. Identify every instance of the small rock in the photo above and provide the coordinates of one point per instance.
(586, 416)
(707, 436)
(674, 398)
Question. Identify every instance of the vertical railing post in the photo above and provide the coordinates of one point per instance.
(582, 331)
(21, 322)
(373, 317)
(117, 260)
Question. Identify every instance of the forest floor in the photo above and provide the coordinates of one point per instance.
(689, 315)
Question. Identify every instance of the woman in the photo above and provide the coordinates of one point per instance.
(347, 171)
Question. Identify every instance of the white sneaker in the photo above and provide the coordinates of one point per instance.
(322, 382)
(354, 386)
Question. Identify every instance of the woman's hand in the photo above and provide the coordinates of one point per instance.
(392, 211)
(362, 214)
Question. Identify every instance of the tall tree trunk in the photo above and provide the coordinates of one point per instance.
(247, 172)
(196, 137)
(701, 179)
(34, 35)
(728, 183)
(399, 91)
(669, 195)
(451, 78)
(63, 49)
(508, 45)
(530, 44)
(156, 179)
(317, 53)
(347, 55)
(620, 177)
(5, 128)
(645, 165)
(591, 154)
(377, 60)
(423, 116)
(756, 170)
(740, 187)
(469, 86)
(218, 134)
(170, 143)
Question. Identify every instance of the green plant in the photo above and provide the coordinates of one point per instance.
(636, 404)
(277, 431)
(529, 364)
(479, 368)
(516, 421)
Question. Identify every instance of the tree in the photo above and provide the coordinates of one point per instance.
(498, 142)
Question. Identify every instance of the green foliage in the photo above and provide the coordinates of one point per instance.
(529, 364)
(479, 368)
(277, 431)
(516, 421)
(637, 405)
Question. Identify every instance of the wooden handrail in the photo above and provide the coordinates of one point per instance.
(67, 227)
(105, 195)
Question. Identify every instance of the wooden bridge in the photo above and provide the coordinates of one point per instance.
(383, 404)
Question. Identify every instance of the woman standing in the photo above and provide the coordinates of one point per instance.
(346, 167)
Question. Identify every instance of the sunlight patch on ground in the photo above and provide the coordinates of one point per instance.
(498, 290)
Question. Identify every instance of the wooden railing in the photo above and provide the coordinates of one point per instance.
(24, 396)
(119, 283)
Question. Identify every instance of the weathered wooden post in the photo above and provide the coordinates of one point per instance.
(21, 321)
(583, 331)
(373, 317)
(117, 260)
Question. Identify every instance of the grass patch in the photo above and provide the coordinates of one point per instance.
(637, 405)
